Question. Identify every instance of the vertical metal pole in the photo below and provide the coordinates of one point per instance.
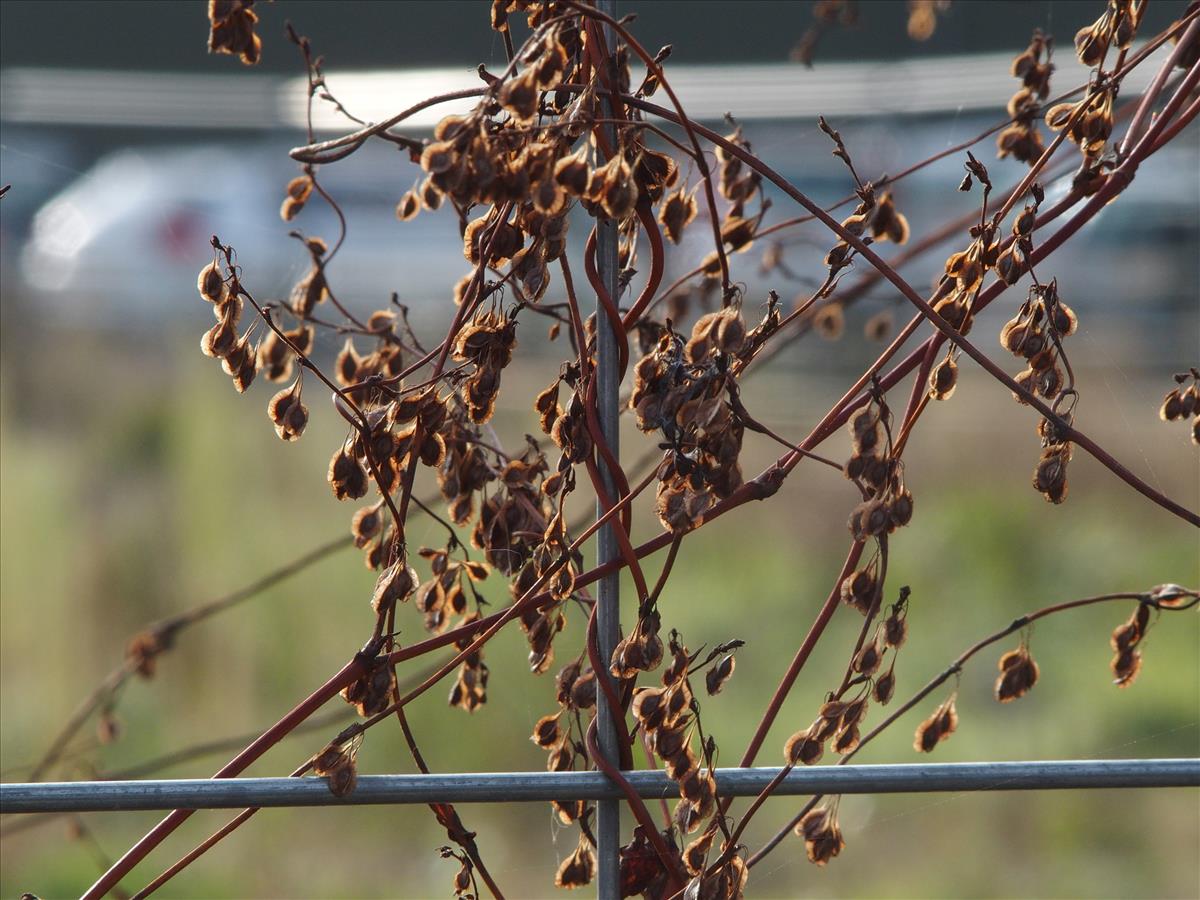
(608, 613)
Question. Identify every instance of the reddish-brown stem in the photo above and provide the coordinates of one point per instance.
(701, 162)
(1110, 189)
(805, 650)
(955, 668)
(350, 672)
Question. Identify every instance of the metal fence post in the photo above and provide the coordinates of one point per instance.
(608, 613)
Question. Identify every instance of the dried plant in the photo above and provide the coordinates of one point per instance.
(566, 136)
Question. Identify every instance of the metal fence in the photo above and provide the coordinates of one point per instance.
(519, 787)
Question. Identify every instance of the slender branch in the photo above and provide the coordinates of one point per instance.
(1146, 597)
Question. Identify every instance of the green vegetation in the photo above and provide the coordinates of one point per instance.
(134, 487)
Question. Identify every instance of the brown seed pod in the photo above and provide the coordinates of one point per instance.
(395, 584)
(822, 836)
(802, 748)
(366, 524)
(649, 707)
(867, 660)
(346, 476)
(858, 589)
(1125, 667)
(885, 686)
(572, 174)
(583, 691)
(219, 341)
(288, 413)
(337, 764)
(846, 740)
(519, 95)
(409, 206)
(578, 869)
(546, 731)
(695, 854)
(943, 379)
(1018, 675)
(937, 728)
(716, 677)
(676, 212)
(854, 712)
(887, 224)
(895, 629)
(1172, 406)
(211, 284)
(296, 195)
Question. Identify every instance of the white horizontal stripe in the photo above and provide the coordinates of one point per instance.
(779, 91)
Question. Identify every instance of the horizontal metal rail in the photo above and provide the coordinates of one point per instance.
(504, 787)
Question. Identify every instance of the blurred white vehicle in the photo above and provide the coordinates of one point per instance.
(124, 242)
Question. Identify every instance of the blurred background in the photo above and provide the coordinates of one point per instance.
(134, 483)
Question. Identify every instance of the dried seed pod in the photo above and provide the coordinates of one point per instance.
(211, 284)
(1091, 43)
(1172, 406)
(395, 584)
(143, 650)
(409, 206)
(546, 732)
(1010, 265)
(1018, 675)
(1125, 667)
(366, 524)
(695, 855)
(572, 174)
(813, 823)
(439, 156)
(802, 748)
(895, 629)
(649, 707)
(1050, 476)
(337, 764)
(846, 740)
(854, 712)
(885, 686)
(716, 677)
(943, 379)
(870, 518)
(887, 224)
(671, 738)
(1063, 319)
(578, 869)
(1049, 382)
(296, 195)
(1125, 635)
(866, 661)
(937, 728)
(288, 413)
(519, 95)
(583, 691)
(822, 836)
(346, 476)
(858, 589)
(220, 340)
(676, 212)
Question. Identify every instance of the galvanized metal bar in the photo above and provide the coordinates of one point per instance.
(608, 610)
(506, 787)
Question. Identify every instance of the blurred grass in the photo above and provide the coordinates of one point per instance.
(136, 484)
